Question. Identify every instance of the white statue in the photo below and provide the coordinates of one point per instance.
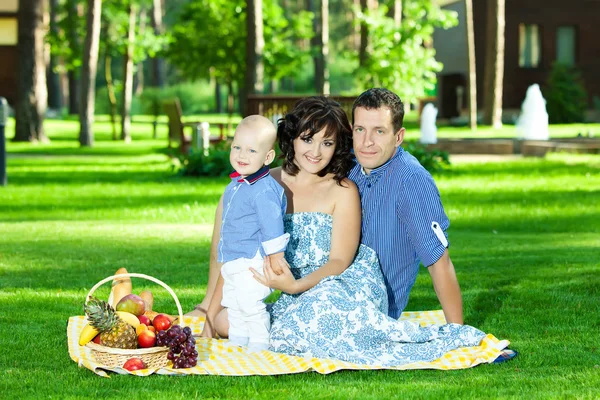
(428, 128)
(205, 129)
(532, 124)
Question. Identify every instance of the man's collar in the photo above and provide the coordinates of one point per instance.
(383, 167)
(251, 179)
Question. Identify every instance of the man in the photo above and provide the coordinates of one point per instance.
(403, 217)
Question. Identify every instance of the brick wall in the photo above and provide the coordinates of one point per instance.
(548, 15)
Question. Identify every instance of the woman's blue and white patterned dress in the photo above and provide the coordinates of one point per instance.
(345, 317)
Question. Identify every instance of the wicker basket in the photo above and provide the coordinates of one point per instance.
(153, 357)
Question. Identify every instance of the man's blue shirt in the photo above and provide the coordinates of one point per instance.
(401, 212)
(252, 219)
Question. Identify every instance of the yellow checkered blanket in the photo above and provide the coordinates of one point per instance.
(217, 357)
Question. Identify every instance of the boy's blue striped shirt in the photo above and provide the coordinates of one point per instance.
(400, 207)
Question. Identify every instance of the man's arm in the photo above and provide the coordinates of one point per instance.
(447, 288)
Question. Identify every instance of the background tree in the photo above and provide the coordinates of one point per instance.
(255, 44)
(74, 23)
(158, 68)
(32, 99)
(494, 64)
(88, 73)
(128, 74)
(52, 76)
(320, 43)
(212, 28)
(397, 56)
(472, 70)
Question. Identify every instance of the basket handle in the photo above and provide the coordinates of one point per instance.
(135, 275)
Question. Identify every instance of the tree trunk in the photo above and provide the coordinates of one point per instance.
(397, 13)
(320, 42)
(33, 95)
(158, 65)
(128, 78)
(89, 68)
(230, 95)
(255, 44)
(364, 37)
(472, 81)
(218, 102)
(139, 73)
(494, 64)
(54, 88)
(110, 90)
(74, 89)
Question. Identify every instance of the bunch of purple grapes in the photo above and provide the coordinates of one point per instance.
(182, 346)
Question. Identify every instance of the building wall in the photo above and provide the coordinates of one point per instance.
(8, 49)
(549, 15)
(453, 54)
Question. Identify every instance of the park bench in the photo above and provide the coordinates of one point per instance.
(177, 129)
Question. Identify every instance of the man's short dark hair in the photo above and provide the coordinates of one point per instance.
(375, 98)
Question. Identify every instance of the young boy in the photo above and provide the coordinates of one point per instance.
(251, 228)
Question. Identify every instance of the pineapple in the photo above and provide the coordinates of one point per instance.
(114, 332)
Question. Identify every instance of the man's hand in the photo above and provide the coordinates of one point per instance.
(447, 288)
(284, 282)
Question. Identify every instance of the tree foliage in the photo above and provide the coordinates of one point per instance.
(566, 97)
(401, 58)
(115, 21)
(210, 35)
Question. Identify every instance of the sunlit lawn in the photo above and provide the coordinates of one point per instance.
(525, 240)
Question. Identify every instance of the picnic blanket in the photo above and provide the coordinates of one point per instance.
(218, 357)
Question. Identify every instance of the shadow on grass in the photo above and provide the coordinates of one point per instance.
(139, 149)
(58, 265)
(107, 202)
(526, 167)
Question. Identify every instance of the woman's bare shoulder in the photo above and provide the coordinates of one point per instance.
(346, 189)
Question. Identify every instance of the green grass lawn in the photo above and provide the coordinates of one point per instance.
(525, 240)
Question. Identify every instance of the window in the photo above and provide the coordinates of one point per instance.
(529, 46)
(8, 31)
(565, 45)
(9, 6)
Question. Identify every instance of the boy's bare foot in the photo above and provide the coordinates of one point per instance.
(198, 311)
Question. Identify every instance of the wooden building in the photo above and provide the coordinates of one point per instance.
(8, 49)
(538, 33)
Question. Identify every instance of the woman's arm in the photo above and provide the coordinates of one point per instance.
(345, 238)
(214, 292)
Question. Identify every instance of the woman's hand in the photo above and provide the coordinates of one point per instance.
(284, 281)
(208, 331)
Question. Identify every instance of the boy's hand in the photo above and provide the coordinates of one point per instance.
(274, 261)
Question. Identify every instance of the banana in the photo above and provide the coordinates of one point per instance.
(129, 318)
(87, 334)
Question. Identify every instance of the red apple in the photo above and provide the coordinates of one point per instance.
(96, 339)
(133, 304)
(161, 322)
(147, 339)
(133, 364)
(144, 320)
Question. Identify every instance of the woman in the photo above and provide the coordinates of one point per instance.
(334, 303)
